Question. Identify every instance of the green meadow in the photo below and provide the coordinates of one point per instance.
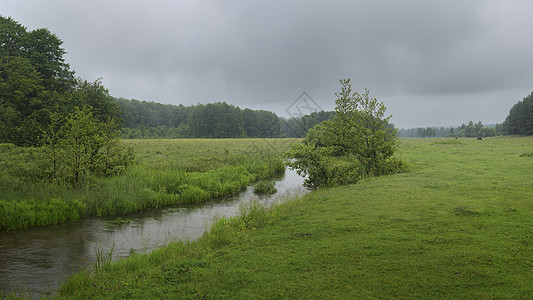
(458, 225)
(167, 172)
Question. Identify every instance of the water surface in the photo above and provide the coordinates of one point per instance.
(38, 258)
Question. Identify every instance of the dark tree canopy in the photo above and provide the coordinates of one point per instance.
(142, 119)
(43, 51)
(35, 81)
(520, 118)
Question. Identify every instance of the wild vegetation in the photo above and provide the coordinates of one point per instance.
(469, 129)
(264, 187)
(519, 121)
(457, 226)
(143, 119)
(357, 142)
(37, 84)
(167, 172)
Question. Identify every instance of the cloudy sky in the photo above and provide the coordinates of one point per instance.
(433, 63)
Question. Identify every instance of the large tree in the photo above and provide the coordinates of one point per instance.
(42, 48)
(359, 130)
(216, 120)
(35, 82)
(363, 128)
(520, 118)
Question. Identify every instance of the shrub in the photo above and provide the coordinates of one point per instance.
(360, 134)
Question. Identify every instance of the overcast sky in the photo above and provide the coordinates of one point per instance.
(433, 63)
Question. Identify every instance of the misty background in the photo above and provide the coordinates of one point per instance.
(433, 63)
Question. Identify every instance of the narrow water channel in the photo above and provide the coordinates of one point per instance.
(38, 258)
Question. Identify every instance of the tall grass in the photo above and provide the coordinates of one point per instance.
(27, 199)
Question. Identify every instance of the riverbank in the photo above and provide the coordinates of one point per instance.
(168, 172)
(459, 226)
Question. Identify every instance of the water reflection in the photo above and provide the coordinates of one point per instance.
(37, 258)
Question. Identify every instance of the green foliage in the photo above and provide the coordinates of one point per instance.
(362, 128)
(359, 132)
(312, 163)
(6, 147)
(520, 118)
(426, 132)
(264, 187)
(470, 129)
(487, 131)
(35, 81)
(143, 119)
(216, 120)
(79, 146)
(41, 48)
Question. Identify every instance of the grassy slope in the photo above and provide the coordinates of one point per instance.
(459, 226)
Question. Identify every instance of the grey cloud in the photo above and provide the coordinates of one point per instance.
(418, 56)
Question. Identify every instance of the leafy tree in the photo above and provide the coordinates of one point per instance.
(451, 132)
(41, 48)
(321, 135)
(363, 129)
(359, 130)
(468, 130)
(95, 96)
(498, 128)
(520, 118)
(12, 36)
(81, 141)
(216, 120)
(426, 132)
(487, 131)
(51, 142)
(313, 163)
(79, 146)
(35, 81)
(20, 98)
(478, 127)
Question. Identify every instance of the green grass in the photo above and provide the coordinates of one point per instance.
(168, 172)
(460, 225)
(264, 187)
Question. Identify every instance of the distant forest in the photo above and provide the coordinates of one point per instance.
(518, 122)
(469, 129)
(37, 86)
(143, 119)
(520, 118)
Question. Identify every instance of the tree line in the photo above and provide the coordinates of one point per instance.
(520, 118)
(469, 129)
(142, 119)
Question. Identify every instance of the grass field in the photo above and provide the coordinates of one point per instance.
(459, 225)
(168, 172)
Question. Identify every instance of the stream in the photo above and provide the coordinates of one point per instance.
(37, 259)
